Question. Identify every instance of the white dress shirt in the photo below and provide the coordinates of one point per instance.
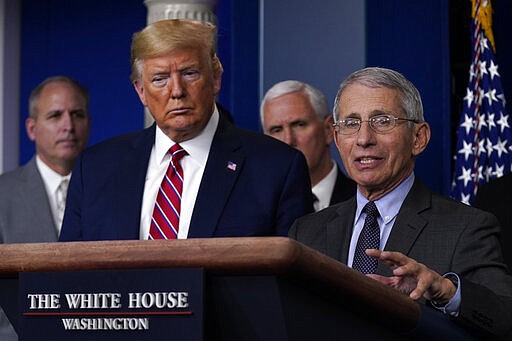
(193, 166)
(52, 181)
(389, 206)
(323, 189)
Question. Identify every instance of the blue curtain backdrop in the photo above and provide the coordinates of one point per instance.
(413, 37)
(90, 41)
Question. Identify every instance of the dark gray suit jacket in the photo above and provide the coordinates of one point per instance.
(443, 234)
(25, 213)
(25, 217)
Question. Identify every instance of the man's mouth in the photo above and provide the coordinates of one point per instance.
(67, 141)
(366, 160)
(180, 110)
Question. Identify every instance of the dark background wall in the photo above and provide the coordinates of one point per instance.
(90, 41)
(412, 37)
(321, 54)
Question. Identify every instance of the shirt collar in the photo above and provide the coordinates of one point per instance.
(197, 147)
(323, 189)
(51, 178)
(390, 204)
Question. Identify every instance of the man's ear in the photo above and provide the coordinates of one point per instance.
(140, 91)
(336, 140)
(217, 74)
(30, 125)
(421, 138)
(329, 129)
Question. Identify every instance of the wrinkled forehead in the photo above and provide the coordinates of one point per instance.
(358, 100)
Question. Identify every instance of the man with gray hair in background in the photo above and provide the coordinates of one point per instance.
(32, 197)
(297, 114)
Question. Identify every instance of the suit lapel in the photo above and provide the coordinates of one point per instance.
(409, 223)
(339, 231)
(225, 162)
(131, 189)
(33, 194)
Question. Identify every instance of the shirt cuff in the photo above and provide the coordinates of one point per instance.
(452, 307)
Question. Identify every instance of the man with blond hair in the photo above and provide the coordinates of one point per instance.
(192, 174)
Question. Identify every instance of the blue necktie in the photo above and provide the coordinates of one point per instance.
(368, 239)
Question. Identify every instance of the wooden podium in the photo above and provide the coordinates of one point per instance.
(264, 288)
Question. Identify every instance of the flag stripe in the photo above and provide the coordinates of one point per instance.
(483, 137)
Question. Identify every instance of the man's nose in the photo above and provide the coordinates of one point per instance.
(289, 137)
(67, 121)
(176, 87)
(365, 135)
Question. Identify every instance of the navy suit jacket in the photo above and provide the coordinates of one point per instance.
(266, 192)
(445, 235)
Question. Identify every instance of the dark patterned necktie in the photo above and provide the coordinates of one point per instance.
(368, 239)
(316, 202)
(166, 214)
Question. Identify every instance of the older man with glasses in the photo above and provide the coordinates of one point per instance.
(395, 230)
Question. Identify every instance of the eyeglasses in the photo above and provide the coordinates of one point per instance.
(379, 124)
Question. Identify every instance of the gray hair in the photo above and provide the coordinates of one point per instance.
(316, 97)
(36, 92)
(375, 77)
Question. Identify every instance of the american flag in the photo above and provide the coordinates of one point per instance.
(484, 140)
(231, 166)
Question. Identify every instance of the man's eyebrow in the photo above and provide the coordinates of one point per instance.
(298, 121)
(52, 112)
(381, 112)
(352, 115)
(188, 67)
(275, 126)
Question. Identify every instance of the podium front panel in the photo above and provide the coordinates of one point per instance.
(150, 304)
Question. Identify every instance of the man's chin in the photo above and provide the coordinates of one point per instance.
(69, 153)
(181, 131)
(67, 144)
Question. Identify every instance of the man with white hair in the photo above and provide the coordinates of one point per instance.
(297, 114)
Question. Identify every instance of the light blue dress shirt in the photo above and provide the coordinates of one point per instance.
(389, 206)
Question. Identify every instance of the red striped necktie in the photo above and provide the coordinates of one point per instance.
(166, 214)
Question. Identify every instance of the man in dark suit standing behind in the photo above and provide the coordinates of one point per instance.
(297, 114)
(495, 198)
(232, 182)
(395, 229)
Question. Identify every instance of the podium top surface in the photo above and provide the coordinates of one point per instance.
(220, 256)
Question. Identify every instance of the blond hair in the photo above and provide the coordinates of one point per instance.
(164, 36)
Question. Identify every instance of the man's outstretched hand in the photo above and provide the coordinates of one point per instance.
(413, 278)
